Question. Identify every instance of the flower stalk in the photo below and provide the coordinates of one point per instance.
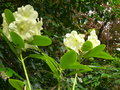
(25, 71)
(75, 80)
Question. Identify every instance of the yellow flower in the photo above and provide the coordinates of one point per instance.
(26, 28)
(74, 41)
(94, 38)
(26, 24)
(26, 12)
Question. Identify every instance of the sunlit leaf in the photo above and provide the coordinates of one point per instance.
(104, 55)
(17, 84)
(87, 46)
(9, 16)
(41, 40)
(78, 66)
(17, 40)
(93, 52)
(38, 56)
(69, 58)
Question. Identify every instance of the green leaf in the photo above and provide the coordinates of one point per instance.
(41, 40)
(52, 64)
(79, 71)
(87, 46)
(13, 72)
(49, 60)
(9, 73)
(93, 52)
(104, 55)
(69, 58)
(9, 16)
(17, 84)
(78, 66)
(38, 56)
(96, 67)
(8, 42)
(17, 40)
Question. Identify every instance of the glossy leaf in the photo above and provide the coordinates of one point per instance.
(104, 55)
(17, 84)
(17, 40)
(9, 16)
(38, 56)
(93, 52)
(41, 40)
(69, 58)
(87, 46)
(78, 66)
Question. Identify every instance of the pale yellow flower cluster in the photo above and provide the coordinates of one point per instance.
(93, 38)
(75, 41)
(26, 23)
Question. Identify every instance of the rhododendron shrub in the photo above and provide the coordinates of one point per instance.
(22, 30)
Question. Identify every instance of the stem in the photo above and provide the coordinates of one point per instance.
(59, 79)
(74, 82)
(59, 84)
(25, 71)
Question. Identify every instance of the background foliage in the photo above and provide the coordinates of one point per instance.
(61, 17)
